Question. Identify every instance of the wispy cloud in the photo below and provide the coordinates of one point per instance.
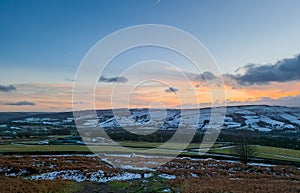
(8, 88)
(171, 89)
(291, 101)
(120, 79)
(21, 103)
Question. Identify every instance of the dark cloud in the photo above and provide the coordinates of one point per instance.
(7, 88)
(70, 80)
(21, 103)
(171, 89)
(120, 79)
(205, 76)
(244, 67)
(284, 70)
(78, 103)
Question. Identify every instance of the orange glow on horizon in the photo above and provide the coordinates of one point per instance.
(58, 97)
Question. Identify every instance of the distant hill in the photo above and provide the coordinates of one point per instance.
(253, 117)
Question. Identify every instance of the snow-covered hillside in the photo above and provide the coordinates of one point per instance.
(256, 118)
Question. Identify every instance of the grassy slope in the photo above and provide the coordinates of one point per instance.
(169, 146)
(133, 147)
(267, 152)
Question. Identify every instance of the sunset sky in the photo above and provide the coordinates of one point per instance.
(255, 43)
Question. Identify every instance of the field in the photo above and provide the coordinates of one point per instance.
(25, 147)
(263, 152)
(28, 166)
(68, 174)
(267, 152)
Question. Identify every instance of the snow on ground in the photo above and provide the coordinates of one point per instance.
(227, 119)
(244, 112)
(263, 129)
(288, 126)
(167, 176)
(230, 125)
(272, 122)
(68, 120)
(272, 117)
(79, 176)
(250, 122)
(261, 164)
(291, 118)
(121, 177)
(33, 119)
(194, 175)
(110, 123)
(16, 128)
(297, 113)
(86, 116)
(91, 123)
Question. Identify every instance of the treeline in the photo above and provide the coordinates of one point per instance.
(274, 139)
(27, 133)
(288, 140)
(291, 141)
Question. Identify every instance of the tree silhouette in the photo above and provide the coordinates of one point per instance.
(244, 150)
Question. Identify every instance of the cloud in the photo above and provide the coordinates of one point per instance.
(7, 88)
(205, 76)
(120, 79)
(21, 103)
(282, 71)
(290, 101)
(70, 80)
(171, 89)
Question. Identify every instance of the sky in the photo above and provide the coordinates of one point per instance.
(255, 44)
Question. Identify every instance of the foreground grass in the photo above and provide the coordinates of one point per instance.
(234, 185)
(14, 184)
(192, 185)
(191, 176)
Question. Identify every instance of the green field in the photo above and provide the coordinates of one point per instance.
(167, 146)
(266, 152)
(11, 148)
(142, 148)
(28, 146)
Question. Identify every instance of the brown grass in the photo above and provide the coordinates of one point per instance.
(18, 185)
(43, 164)
(223, 177)
(236, 185)
(192, 176)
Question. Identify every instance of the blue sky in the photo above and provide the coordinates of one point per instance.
(43, 41)
(53, 36)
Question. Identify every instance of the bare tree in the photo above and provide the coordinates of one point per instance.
(243, 149)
